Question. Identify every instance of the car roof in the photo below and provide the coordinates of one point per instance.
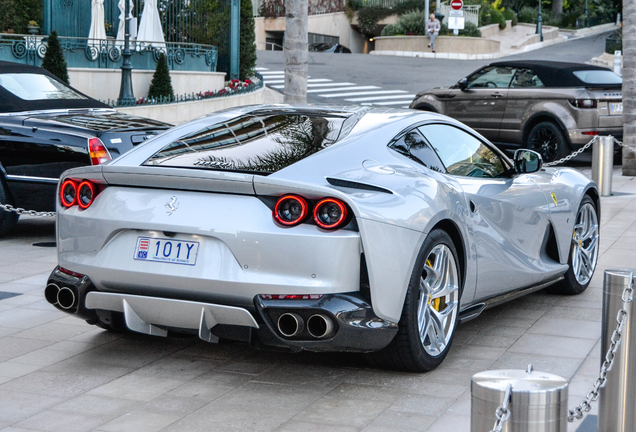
(11, 103)
(552, 73)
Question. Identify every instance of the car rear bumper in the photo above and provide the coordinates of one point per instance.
(352, 324)
(579, 139)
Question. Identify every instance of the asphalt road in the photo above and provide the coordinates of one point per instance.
(408, 75)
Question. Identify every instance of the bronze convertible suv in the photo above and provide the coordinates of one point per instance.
(549, 107)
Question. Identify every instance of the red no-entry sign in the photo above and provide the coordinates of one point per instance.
(457, 4)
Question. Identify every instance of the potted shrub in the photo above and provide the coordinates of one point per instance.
(33, 27)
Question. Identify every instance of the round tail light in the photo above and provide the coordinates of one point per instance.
(85, 194)
(290, 210)
(330, 213)
(68, 193)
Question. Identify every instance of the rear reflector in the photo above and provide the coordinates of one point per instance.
(291, 297)
(592, 133)
(71, 273)
(99, 153)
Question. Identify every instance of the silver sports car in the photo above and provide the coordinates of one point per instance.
(319, 228)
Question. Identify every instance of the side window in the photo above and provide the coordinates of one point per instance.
(491, 77)
(413, 144)
(463, 154)
(525, 78)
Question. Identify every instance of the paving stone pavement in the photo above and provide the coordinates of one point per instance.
(58, 373)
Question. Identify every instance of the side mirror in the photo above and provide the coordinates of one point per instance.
(527, 161)
(462, 84)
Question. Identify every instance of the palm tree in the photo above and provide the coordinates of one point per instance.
(629, 86)
(296, 54)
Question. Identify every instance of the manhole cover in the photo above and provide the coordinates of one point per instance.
(45, 244)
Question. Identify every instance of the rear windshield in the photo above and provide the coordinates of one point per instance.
(598, 77)
(260, 144)
(28, 86)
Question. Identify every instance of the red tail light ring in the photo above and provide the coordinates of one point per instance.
(85, 194)
(290, 210)
(330, 213)
(68, 193)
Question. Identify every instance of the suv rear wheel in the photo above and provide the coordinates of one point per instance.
(547, 139)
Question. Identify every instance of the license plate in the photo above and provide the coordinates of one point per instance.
(166, 250)
(616, 108)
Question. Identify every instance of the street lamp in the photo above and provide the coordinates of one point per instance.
(540, 24)
(587, 15)
(126, 95)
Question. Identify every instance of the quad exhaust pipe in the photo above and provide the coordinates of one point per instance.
(320, 326)
(63, 297)
(290, 324)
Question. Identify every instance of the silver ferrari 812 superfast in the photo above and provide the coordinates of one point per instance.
(319, 228)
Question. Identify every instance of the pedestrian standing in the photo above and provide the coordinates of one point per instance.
(432, 30)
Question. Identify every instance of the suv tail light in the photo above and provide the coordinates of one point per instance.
(330, 213)
(98, 151)
(68, 193)
(290, 210)
(584, 103)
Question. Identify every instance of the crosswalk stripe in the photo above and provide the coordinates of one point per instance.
(372, 98)
(309, 80)
(310, 85)
(378, 92)
(260, 69)
(269, 72)
(323, 90)
(407, 102)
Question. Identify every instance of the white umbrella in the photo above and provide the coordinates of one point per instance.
(98, 31)
(121, 31)
(150, 26)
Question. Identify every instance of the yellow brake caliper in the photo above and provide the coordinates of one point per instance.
(436, 302)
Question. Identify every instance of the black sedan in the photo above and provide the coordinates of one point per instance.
(47, 127)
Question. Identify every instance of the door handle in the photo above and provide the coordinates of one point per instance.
(497, 95)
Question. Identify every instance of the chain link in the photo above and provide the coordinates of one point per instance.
(9, 208)
(502, 413)
(572, 155)
(621, 318)
(620, 143)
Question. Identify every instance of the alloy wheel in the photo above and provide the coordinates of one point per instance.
(439, 300)
(585, 244)
(545, 142)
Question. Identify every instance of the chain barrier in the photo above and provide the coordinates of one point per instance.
(572, 155)
(620, 143)
(502, 413)
(9, 208)
(621, 319)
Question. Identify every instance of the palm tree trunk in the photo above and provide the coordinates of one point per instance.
(629, 86)
(557, 8)
(296, 54)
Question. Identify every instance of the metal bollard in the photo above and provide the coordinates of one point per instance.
(617, 400)
(538, 401)
(603, 164)
(618, 65)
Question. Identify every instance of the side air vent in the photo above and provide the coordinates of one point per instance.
(356, 185)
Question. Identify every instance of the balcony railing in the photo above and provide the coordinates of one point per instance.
(107, 53)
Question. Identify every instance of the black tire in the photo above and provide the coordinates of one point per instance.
(7, 219)
(571, 284)
(407, 351)
(426, 108)
(547, 139)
